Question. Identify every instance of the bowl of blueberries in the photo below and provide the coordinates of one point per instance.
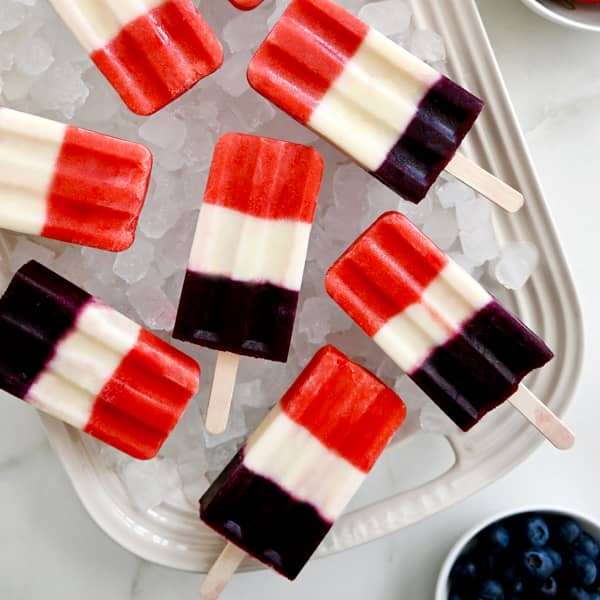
(531, 554)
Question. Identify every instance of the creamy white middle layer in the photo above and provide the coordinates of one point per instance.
(446, 303)
(246, 248)
(83, 363)
(290, 456)
(96, 22)
(373, 101)
(29, 149)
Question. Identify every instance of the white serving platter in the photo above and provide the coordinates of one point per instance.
(422, 473)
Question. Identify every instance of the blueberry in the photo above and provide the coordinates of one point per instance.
(537, 531)
(578, 594)
(568, 530)
(584, 569)
(509, 574)
(538, 564)
(515, 588)
(490, 590)
(556, 558)
(497, 537)
(464, 570)
(548, 589)
(586, 544)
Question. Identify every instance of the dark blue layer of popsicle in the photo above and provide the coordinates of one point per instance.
(262, 519)
(482, 366)
(38, 308)
(444, 117)
(253, 319)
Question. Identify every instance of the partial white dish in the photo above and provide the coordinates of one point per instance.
(585, 16)
(587, 524)
(422, 473)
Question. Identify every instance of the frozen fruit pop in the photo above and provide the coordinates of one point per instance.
(151, 51)
(70, 184)
(279, 496)
(439, 325)
(393, 114)
(73, 357)
(247, 261)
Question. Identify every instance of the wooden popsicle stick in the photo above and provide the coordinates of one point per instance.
(541, 417)
(485, 183)
(221, 392)
(221, 572)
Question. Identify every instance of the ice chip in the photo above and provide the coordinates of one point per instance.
(149, 482)
(428, 46)
(390, 17)
(516, 264)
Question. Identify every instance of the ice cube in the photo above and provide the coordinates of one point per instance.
(152, 305)
(390, 17)
(103, 103)
(12, 14)
(453, 192)
(480, 245)
(472, 212)
(15, 86)
(133, 264)
(220, 455)
(34, 56)
(26, 250)
(440, 226)
(518, 260)
(148, 483)
(245, 31)
(60, 88)
(193, 479)
(428, 46)
(232, 75)
(164, 130)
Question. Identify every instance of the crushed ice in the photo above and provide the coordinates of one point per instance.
(44, 71)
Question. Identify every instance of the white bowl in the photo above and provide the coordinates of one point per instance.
(585, 16)
(590, 525)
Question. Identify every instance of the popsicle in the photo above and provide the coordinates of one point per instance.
(151, 51)
(71, 356)
(440, 326)
(393, 114)
(247, 261)
(70, 184)
(279, 496)
(246, 4)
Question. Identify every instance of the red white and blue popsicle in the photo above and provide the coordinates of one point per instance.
(66, 183)
(440, 326)
(151, 51)
(282, 492)
(71, 356)
(247, 261)
(393, 114)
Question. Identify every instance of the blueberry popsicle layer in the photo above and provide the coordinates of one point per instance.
(282, 492)
(151, 51)
(69, 184)
(437, 323)
(76, 359)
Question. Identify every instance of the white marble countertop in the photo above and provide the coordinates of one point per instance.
(49, 548)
